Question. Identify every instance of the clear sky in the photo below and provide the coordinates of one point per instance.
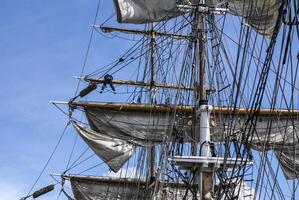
(43, 44)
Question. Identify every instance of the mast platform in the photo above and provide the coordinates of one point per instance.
(207, 164)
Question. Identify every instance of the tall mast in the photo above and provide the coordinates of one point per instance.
(202, 66)
(152, 61)
(152, 152)
(205, 178)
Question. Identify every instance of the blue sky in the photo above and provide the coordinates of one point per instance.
(43, 44)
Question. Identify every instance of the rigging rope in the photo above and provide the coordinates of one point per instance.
(49, 159)
(88, 46)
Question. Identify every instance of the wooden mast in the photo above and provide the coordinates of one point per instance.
(202, 66)
(152, 33)
(152, 152)
(205, 178)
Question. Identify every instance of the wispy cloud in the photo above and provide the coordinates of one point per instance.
(9, 191)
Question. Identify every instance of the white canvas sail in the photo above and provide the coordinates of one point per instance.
(143, 128)
(282, 138)
(145, 11)
(115, 152)
(107, 189)
(103, 188)
(261, 15)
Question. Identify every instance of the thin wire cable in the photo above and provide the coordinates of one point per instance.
(51, 156)
(88, 47)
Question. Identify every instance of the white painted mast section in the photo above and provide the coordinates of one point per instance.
(205, 136)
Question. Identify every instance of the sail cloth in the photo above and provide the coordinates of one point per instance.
(140, 128)
(146, 128)
(115, 152)
(145, 11)
(102, 188)
(261, 15)
(106, 189)
(288, 157)
(284, 143)
(271, 133)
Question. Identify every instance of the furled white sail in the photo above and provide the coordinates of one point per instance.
(141, 128)
(261, 15)
(145, 11)
(284, 142)
(146, 128)
(107, 189)
(102, 188)
(279, 135)
(115, 152)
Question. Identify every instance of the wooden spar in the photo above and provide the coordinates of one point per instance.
(139, 83)
(186, 109)
(115, 180)
(108, 29)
